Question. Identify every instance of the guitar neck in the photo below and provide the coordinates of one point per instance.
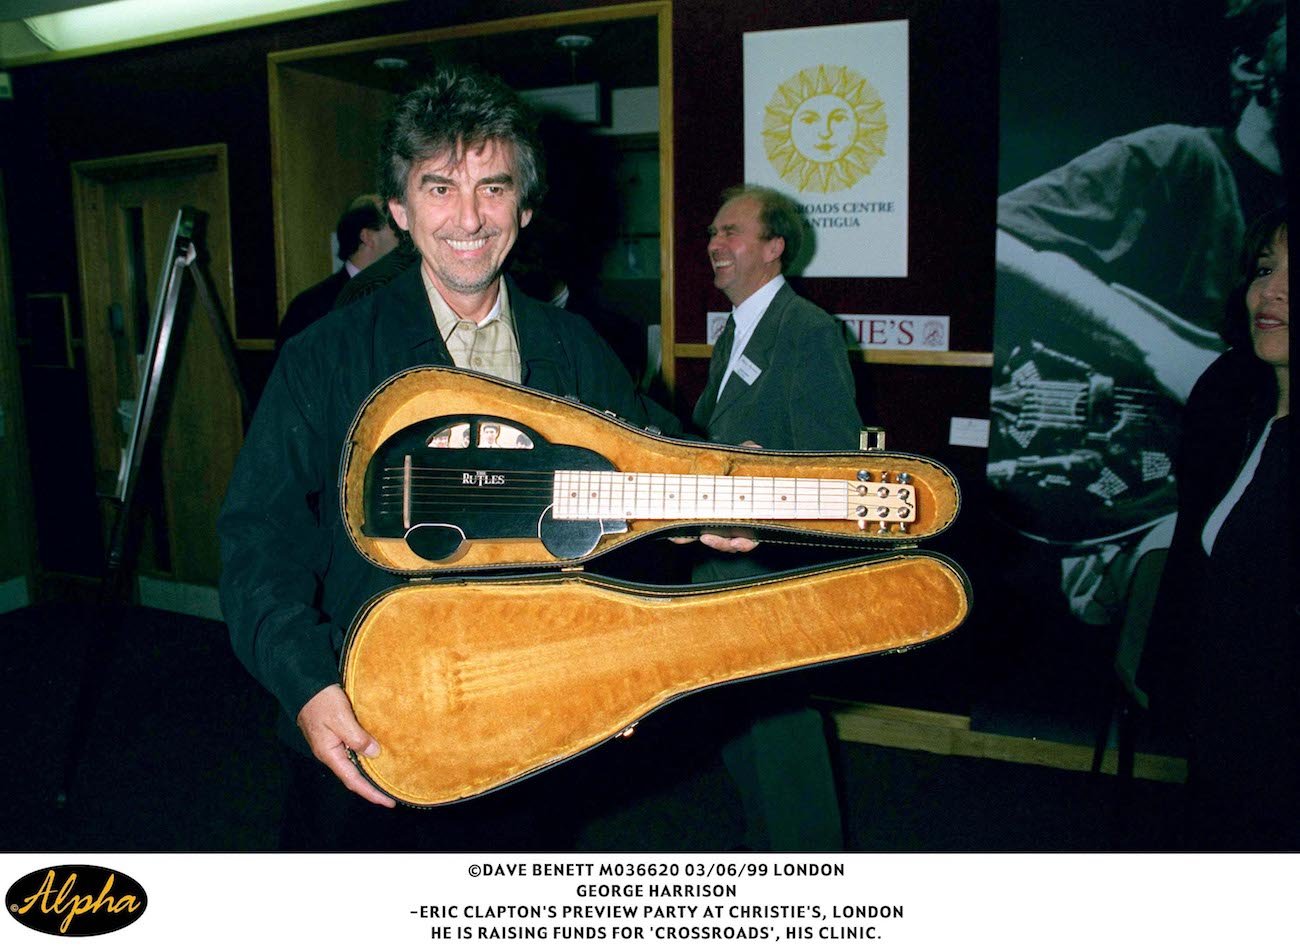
(622, 495)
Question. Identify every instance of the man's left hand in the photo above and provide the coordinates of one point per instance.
(721, 544)
(725, 544)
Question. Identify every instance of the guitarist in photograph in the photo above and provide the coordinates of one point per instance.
(1114, 271)
(779, 377)
(461, 172)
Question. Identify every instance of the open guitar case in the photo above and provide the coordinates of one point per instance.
(500, 660)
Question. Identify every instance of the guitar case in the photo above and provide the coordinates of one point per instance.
(502, 655)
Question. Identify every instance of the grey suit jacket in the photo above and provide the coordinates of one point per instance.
(801, 400)
(803, 397)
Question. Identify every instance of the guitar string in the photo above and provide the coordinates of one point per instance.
(874, 512)
(420, 469)
(396, 488)
(805, 497)
(616, 478)
(809, 506)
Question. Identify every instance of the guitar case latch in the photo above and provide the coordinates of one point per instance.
(871, 439)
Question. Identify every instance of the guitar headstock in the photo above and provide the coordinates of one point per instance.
(882, 501)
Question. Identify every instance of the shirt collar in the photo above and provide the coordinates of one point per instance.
(446, 317)
(749, 312)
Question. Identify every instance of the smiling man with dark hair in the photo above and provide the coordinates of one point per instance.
(461, 175)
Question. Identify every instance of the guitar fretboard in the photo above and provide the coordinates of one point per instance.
(619, 495)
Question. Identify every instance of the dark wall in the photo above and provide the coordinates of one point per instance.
(215, 90)
(953, 152)
(1137, 62)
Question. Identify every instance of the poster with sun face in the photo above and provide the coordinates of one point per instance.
(826, 123)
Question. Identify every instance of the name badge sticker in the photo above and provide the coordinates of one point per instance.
(747, 370)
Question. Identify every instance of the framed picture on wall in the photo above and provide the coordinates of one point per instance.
(46, 325)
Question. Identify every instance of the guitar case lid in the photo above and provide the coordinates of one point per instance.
(472, 684)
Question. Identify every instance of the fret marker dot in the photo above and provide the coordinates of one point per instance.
(593, 493)
(783, 496)
(705, 496)
(742, 496)
(574, 494)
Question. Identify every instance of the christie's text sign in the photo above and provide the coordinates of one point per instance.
(917, 333)
(75, 900)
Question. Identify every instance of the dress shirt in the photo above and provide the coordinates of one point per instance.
(746, 316)
(490, 346)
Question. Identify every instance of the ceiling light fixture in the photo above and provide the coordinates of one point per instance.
(137, 22)
(574, 43)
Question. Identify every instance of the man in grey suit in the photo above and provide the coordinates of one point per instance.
(779, 378)
(779, 374)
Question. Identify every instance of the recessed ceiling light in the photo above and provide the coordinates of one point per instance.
(573, 41)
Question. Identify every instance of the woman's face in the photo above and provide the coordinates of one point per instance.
(1266, 301)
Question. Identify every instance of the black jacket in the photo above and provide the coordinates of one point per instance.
(803, 399)
(310, 305)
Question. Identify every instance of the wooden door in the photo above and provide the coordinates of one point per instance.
(125, 208)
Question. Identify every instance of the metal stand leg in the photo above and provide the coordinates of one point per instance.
(115, 592)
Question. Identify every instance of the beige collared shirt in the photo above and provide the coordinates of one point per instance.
(489, 347)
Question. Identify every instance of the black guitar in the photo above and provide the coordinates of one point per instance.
(442, 482)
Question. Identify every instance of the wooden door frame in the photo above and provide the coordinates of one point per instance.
(22, 535)
(98, 231)
(90, 179)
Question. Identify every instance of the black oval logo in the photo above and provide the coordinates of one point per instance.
(76, 900)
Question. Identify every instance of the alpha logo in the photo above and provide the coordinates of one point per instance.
(482, 479)
(76, 900)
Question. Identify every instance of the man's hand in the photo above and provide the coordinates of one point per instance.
(725, 544)
(728, 544)
(331, 729)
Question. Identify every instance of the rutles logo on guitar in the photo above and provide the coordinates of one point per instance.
(76, 900)
(482, 479)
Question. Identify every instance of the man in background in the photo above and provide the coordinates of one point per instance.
(363, 236)
(779, 377)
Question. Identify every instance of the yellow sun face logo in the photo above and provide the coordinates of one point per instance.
(824, 129)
